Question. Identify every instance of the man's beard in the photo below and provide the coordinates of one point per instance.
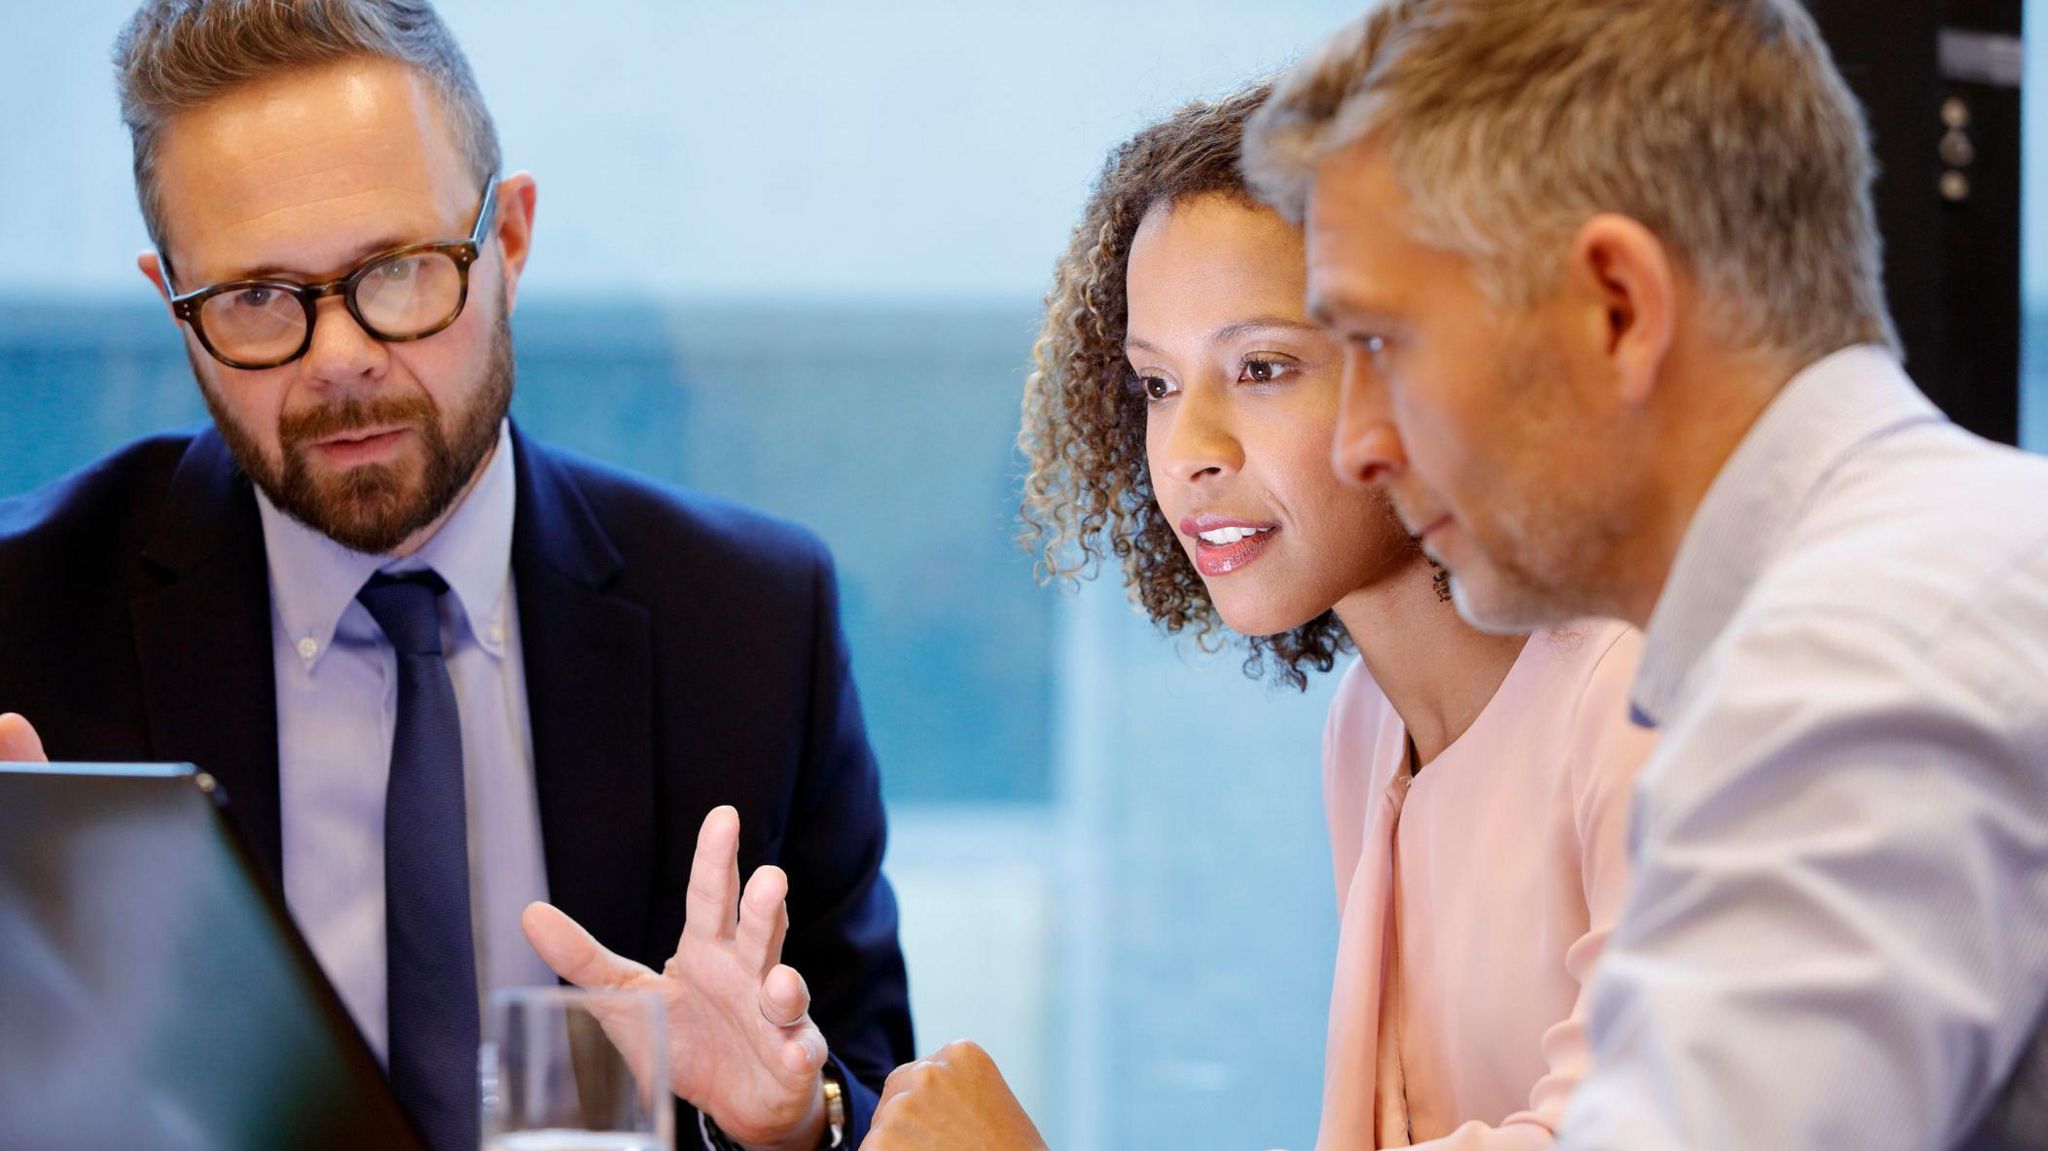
(373, 508)
(1549, 536)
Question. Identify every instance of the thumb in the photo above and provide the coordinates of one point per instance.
(19, 742)
(573, 953)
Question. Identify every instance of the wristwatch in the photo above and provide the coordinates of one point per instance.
(835, 1108)
(835, 1118)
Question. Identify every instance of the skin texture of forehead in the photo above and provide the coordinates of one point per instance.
(1356, 206)
(1242, 249)
(298, 170)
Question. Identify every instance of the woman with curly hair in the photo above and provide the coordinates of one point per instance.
(1179, 422)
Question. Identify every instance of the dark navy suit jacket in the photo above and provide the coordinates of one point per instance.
(680, 653)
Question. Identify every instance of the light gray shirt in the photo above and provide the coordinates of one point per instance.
(1838, 932)
(337, 709)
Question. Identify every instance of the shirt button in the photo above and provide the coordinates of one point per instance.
(308, 648)
(497, 633)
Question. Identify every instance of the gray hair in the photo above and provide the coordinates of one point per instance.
(176, 55)
(1720, 125)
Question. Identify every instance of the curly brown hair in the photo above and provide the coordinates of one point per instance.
(1088, 495)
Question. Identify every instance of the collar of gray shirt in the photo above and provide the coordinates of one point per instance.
(1818, 419)
(313, 579)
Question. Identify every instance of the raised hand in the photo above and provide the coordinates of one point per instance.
(953, 1099)
(742, 1047)
(19, 742)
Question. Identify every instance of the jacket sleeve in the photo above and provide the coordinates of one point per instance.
(842, 933)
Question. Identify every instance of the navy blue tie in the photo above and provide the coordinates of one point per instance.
(429, 957)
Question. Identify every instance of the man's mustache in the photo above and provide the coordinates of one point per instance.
(352, 415)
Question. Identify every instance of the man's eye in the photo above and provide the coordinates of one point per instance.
(398, 270)
(255, 297)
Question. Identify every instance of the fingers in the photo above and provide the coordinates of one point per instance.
(960, 1057)
(785, 997)
(965, 1055)
(899, 1081)
(803, 1057)
(573, 953)
(712, 907)
(19, 742)
(764, 919)
(955, 1098)
(899, 1092)
(785, 1003)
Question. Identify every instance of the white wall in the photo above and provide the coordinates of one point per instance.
(812, 147)
(1149, 955)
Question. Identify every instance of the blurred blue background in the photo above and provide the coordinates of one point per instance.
(791, 252)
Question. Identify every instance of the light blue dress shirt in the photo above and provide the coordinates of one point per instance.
(1837, 936)
(337, 707)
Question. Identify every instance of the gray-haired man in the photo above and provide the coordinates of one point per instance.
(1610, 284)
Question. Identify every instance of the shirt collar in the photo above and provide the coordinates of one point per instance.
(313, 579)
(1821, 414)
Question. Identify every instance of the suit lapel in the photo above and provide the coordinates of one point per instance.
(202, 638)
(589, 694)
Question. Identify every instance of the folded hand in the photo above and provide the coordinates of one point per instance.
(952, 1100)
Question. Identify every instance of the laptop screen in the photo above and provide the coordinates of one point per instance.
(153, 992)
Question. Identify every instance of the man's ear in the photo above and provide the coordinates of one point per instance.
(1626, 277)
(152, 267)
(517, 195)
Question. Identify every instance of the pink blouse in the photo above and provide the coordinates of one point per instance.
(1475, 899)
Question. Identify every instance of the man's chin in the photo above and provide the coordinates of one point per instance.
(369, 532)
(1492, 605)
(366, 509)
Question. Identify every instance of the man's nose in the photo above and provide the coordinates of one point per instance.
(341, 351)
(1367, 447)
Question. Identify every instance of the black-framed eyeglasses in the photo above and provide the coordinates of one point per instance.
(405, 294)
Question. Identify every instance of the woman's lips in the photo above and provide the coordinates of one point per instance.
(1222, 559)
(1214, 559)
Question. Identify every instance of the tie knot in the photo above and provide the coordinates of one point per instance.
(405, 607)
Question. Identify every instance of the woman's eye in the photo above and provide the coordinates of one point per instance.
(1257, 371)
(1155, 387)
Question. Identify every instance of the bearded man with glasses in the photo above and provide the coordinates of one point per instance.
(449, 676)
(417, 291)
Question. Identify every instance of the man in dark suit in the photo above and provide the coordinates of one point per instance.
(444, 671)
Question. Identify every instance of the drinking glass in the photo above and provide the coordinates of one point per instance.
(570, 1070)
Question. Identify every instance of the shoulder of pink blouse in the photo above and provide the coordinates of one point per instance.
(1607, 748)
(1352, 736)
